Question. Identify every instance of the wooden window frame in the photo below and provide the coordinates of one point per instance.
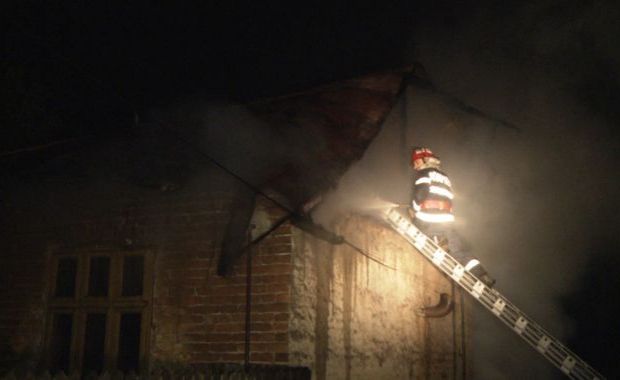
(113, 305)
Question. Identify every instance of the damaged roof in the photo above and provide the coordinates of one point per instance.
(347, 116)
(324, 130)
(328, 128)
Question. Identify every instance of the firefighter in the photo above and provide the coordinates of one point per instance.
(432, 210)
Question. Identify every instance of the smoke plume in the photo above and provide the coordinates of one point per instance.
(530, 203)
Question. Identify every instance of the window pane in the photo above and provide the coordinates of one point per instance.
(129, 342)
(94, 343)
(60, 344)
(133, 275)
(99, 278)
(65, 277)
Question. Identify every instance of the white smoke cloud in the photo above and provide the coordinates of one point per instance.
(532, 203)
(529, 202)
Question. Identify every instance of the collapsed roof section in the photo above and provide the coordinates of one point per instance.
(296, 146)
(307, 141)
(338, 121)
(328, 128)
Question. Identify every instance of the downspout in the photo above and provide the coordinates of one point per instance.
(248, 301)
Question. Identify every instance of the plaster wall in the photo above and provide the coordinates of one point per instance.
(353, 318)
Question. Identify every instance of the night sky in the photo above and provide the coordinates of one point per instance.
(84, 71)
(96, 64)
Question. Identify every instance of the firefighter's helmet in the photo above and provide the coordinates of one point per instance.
(423, 157)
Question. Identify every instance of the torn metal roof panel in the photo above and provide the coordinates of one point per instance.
(344, 116)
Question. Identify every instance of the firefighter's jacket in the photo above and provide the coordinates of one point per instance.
(432, 196)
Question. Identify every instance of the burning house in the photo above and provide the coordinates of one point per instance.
(190, 243)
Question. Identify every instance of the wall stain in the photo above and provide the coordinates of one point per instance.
(347, 301)
(324, 269)
(354, 317)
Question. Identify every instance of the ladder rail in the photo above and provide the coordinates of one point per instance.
(537, 337)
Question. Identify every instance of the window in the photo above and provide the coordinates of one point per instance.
(99, 311)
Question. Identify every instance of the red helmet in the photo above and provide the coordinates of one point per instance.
(421, 153)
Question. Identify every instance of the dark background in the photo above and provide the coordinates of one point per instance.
(95, 64)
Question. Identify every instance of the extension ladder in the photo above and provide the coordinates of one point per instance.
(552, 349)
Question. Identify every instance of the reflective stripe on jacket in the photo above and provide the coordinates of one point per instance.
(432, 196)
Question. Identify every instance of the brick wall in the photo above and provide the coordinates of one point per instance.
(197, 316)
(315, 305)
(22, 282)
(200, 317)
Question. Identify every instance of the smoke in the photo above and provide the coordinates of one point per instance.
(530, 203)
(229, 134)
(375, 183)
(550, 69)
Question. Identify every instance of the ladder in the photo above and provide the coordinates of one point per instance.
(552, 349)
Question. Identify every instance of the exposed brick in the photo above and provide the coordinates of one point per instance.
(230, 357)
(277, 288)
(229, 317)
(218, 337)
(203, 357)
(230, 290)
(283, 297)
(193, 319)
(227, 327)
(277, 347)
(280, 326)
(278, 238)
(276, 248)
(263, 298)
(262, 326)
(225, 300)
(195, 311)
(226, 281)
(283, 279)
(283, 229)
(194, 337)
(273, 269)
(269, 317)
(193, 300)
(191, 328)
(271, 307)
(222, 308)
(262, 357)
(273, 259)
(214, 347)
(282, 358)
(263, 337)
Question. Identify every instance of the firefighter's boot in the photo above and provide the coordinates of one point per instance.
(482, 275)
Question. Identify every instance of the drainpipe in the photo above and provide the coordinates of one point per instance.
(248, 300)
